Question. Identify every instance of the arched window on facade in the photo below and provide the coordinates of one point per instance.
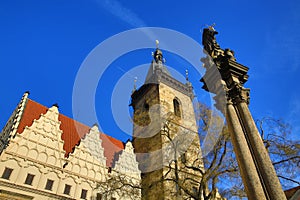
(146, 107)
(145, 118)
(177, 107)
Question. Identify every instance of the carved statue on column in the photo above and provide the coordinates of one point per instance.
(225, 78)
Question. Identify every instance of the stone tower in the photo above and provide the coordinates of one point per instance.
(165, 134)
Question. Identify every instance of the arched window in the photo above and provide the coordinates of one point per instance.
(146, 107)
(177, 108)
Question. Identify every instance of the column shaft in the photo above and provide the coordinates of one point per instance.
(247, 167)
(264, 163)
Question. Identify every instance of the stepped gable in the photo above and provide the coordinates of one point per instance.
(73, 131)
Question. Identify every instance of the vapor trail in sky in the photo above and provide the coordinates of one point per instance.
(124, 14)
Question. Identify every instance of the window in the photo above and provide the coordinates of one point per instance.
(146, 106)
(195, 190)
(83, 194)
(67, 189)
(29, 179)
(183, 158)
(141, 116)
(177, 109)
(49, 184)
(99, 196)
(7, 172)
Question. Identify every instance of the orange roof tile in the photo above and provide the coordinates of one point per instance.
(111, 147)
(73, 131)
(33, 110)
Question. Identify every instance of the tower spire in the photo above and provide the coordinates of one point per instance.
(157, 67)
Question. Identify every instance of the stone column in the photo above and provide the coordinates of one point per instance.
(248, 171)
(264, 164)
(255, 165)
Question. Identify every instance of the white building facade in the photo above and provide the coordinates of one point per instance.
(46, 155)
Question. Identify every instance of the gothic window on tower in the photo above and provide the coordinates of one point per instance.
(183, 158)
(141, 114)
(146, 107)
(146, 114)
(177, 107)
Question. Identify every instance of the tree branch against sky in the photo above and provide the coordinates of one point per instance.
(218, 169)
(284, 150)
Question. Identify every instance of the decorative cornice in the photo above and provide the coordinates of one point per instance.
(47, 167)
(31, 190)
(237, 94)
(160, 77)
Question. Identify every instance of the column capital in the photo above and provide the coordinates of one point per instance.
(238, 94)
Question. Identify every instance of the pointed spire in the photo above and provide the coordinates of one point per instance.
(157, 65)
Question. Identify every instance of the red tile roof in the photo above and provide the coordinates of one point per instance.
(73, 131)
(33, 110)
(114, 146)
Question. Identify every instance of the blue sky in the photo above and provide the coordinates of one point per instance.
(44, 43)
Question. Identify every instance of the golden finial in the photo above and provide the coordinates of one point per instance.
(135, 80)
(157, 43)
